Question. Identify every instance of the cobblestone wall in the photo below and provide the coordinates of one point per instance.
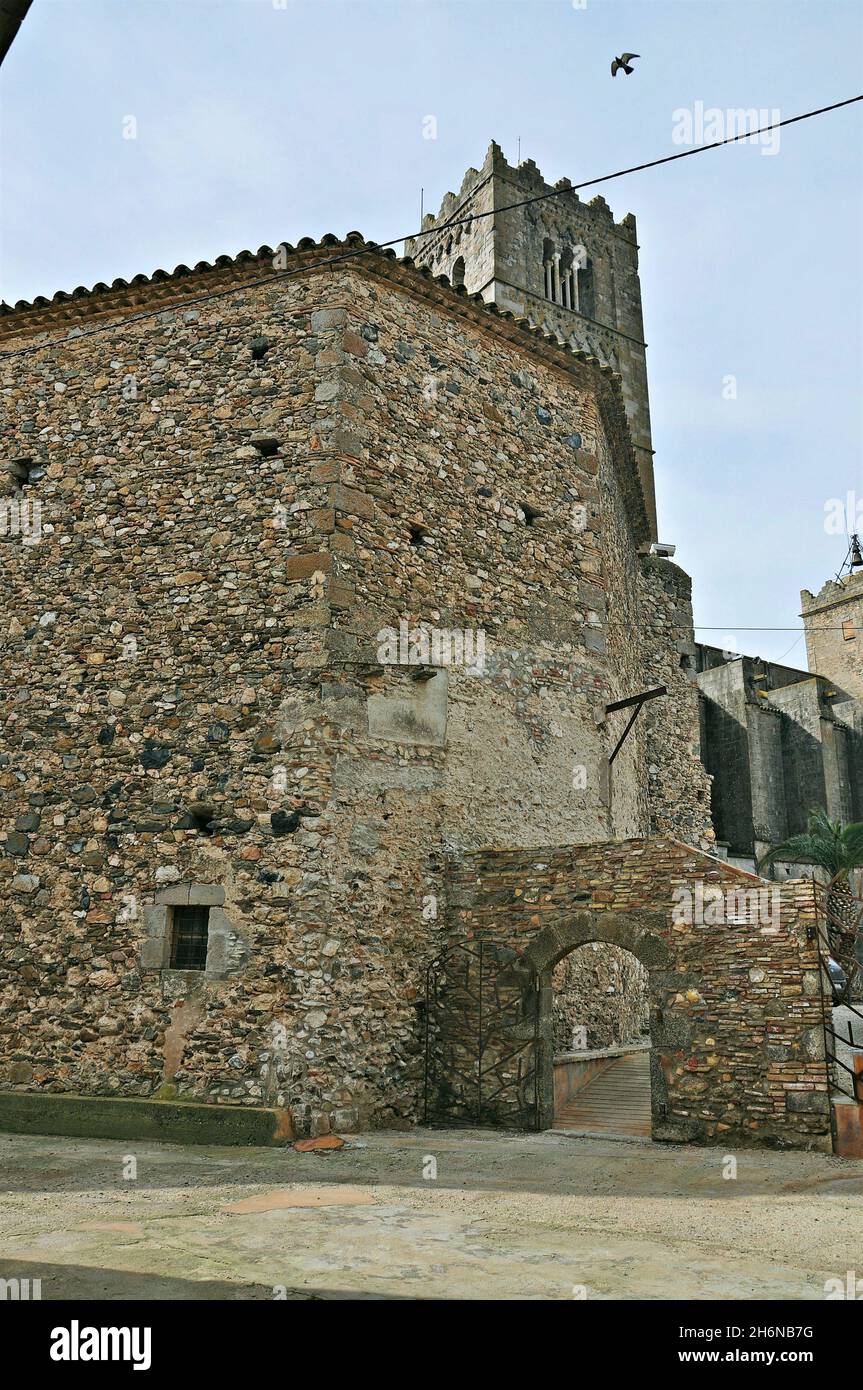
(162, 655)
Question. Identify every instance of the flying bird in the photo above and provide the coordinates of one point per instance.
(623, 62)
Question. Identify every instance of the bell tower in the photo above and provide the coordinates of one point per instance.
(565, 265)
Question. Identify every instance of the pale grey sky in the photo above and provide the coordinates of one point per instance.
(260, 122)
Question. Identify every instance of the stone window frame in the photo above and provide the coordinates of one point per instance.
(158, 921)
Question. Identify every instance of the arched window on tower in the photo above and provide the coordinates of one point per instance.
(586, 302)
(457, 276)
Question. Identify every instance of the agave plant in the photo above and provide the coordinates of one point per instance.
(837, 850)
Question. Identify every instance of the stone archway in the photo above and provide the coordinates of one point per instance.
(636, 932)
(737, 995)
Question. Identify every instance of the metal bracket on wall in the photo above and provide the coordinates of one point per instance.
(632, 700)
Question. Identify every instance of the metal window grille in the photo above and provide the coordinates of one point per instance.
(189, 944)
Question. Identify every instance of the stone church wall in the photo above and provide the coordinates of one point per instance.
(236, 498)
(161, 654)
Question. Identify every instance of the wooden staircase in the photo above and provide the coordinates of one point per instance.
(615, 1102)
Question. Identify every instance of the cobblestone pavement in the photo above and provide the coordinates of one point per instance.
(506, 1217)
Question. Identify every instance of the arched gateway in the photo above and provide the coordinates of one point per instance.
(639, 933)
(735, 988)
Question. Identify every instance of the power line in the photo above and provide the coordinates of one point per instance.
(453, 222)
(795, 643)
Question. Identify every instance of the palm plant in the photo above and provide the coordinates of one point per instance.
(837, 850)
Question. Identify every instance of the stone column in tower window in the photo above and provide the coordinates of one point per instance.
(568, 296)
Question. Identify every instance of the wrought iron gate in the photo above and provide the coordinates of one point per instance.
(482, 1041)
(841, 1051)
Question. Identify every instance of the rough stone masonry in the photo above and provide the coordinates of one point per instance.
(241, 479)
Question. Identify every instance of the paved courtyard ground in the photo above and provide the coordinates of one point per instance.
(506, 1217)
